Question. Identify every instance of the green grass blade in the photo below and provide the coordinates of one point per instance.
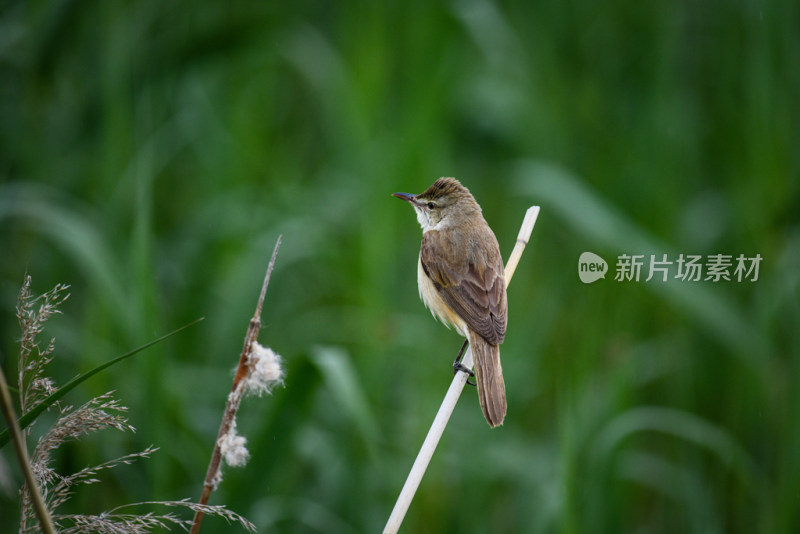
(337, 368)
(32, 414)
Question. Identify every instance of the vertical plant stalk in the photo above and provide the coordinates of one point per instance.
(451, 397)
(235, 397)
(22, 457)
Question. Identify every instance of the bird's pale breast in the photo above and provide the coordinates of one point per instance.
(434, 302)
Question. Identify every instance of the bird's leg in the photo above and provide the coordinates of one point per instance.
(458, 366)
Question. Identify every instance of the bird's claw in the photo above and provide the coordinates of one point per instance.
(458, 366)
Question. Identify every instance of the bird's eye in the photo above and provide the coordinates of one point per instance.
(431, 205)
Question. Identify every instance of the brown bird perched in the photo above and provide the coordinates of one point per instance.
(461, 280)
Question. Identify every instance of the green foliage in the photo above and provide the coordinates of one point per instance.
(46, 402)
(151, 152)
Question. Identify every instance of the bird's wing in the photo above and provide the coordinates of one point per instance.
(476, 289)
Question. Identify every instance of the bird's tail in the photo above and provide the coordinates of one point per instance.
(489, 377)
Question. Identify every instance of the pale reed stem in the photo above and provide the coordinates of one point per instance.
(453, 393)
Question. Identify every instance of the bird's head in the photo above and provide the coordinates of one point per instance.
(443, 204)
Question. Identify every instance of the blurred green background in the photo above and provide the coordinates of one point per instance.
(152, 152)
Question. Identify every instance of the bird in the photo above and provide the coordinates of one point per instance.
(461, 280)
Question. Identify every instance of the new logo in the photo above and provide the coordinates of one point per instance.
(591, 267)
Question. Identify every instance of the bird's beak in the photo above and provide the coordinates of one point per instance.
(408, 197)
